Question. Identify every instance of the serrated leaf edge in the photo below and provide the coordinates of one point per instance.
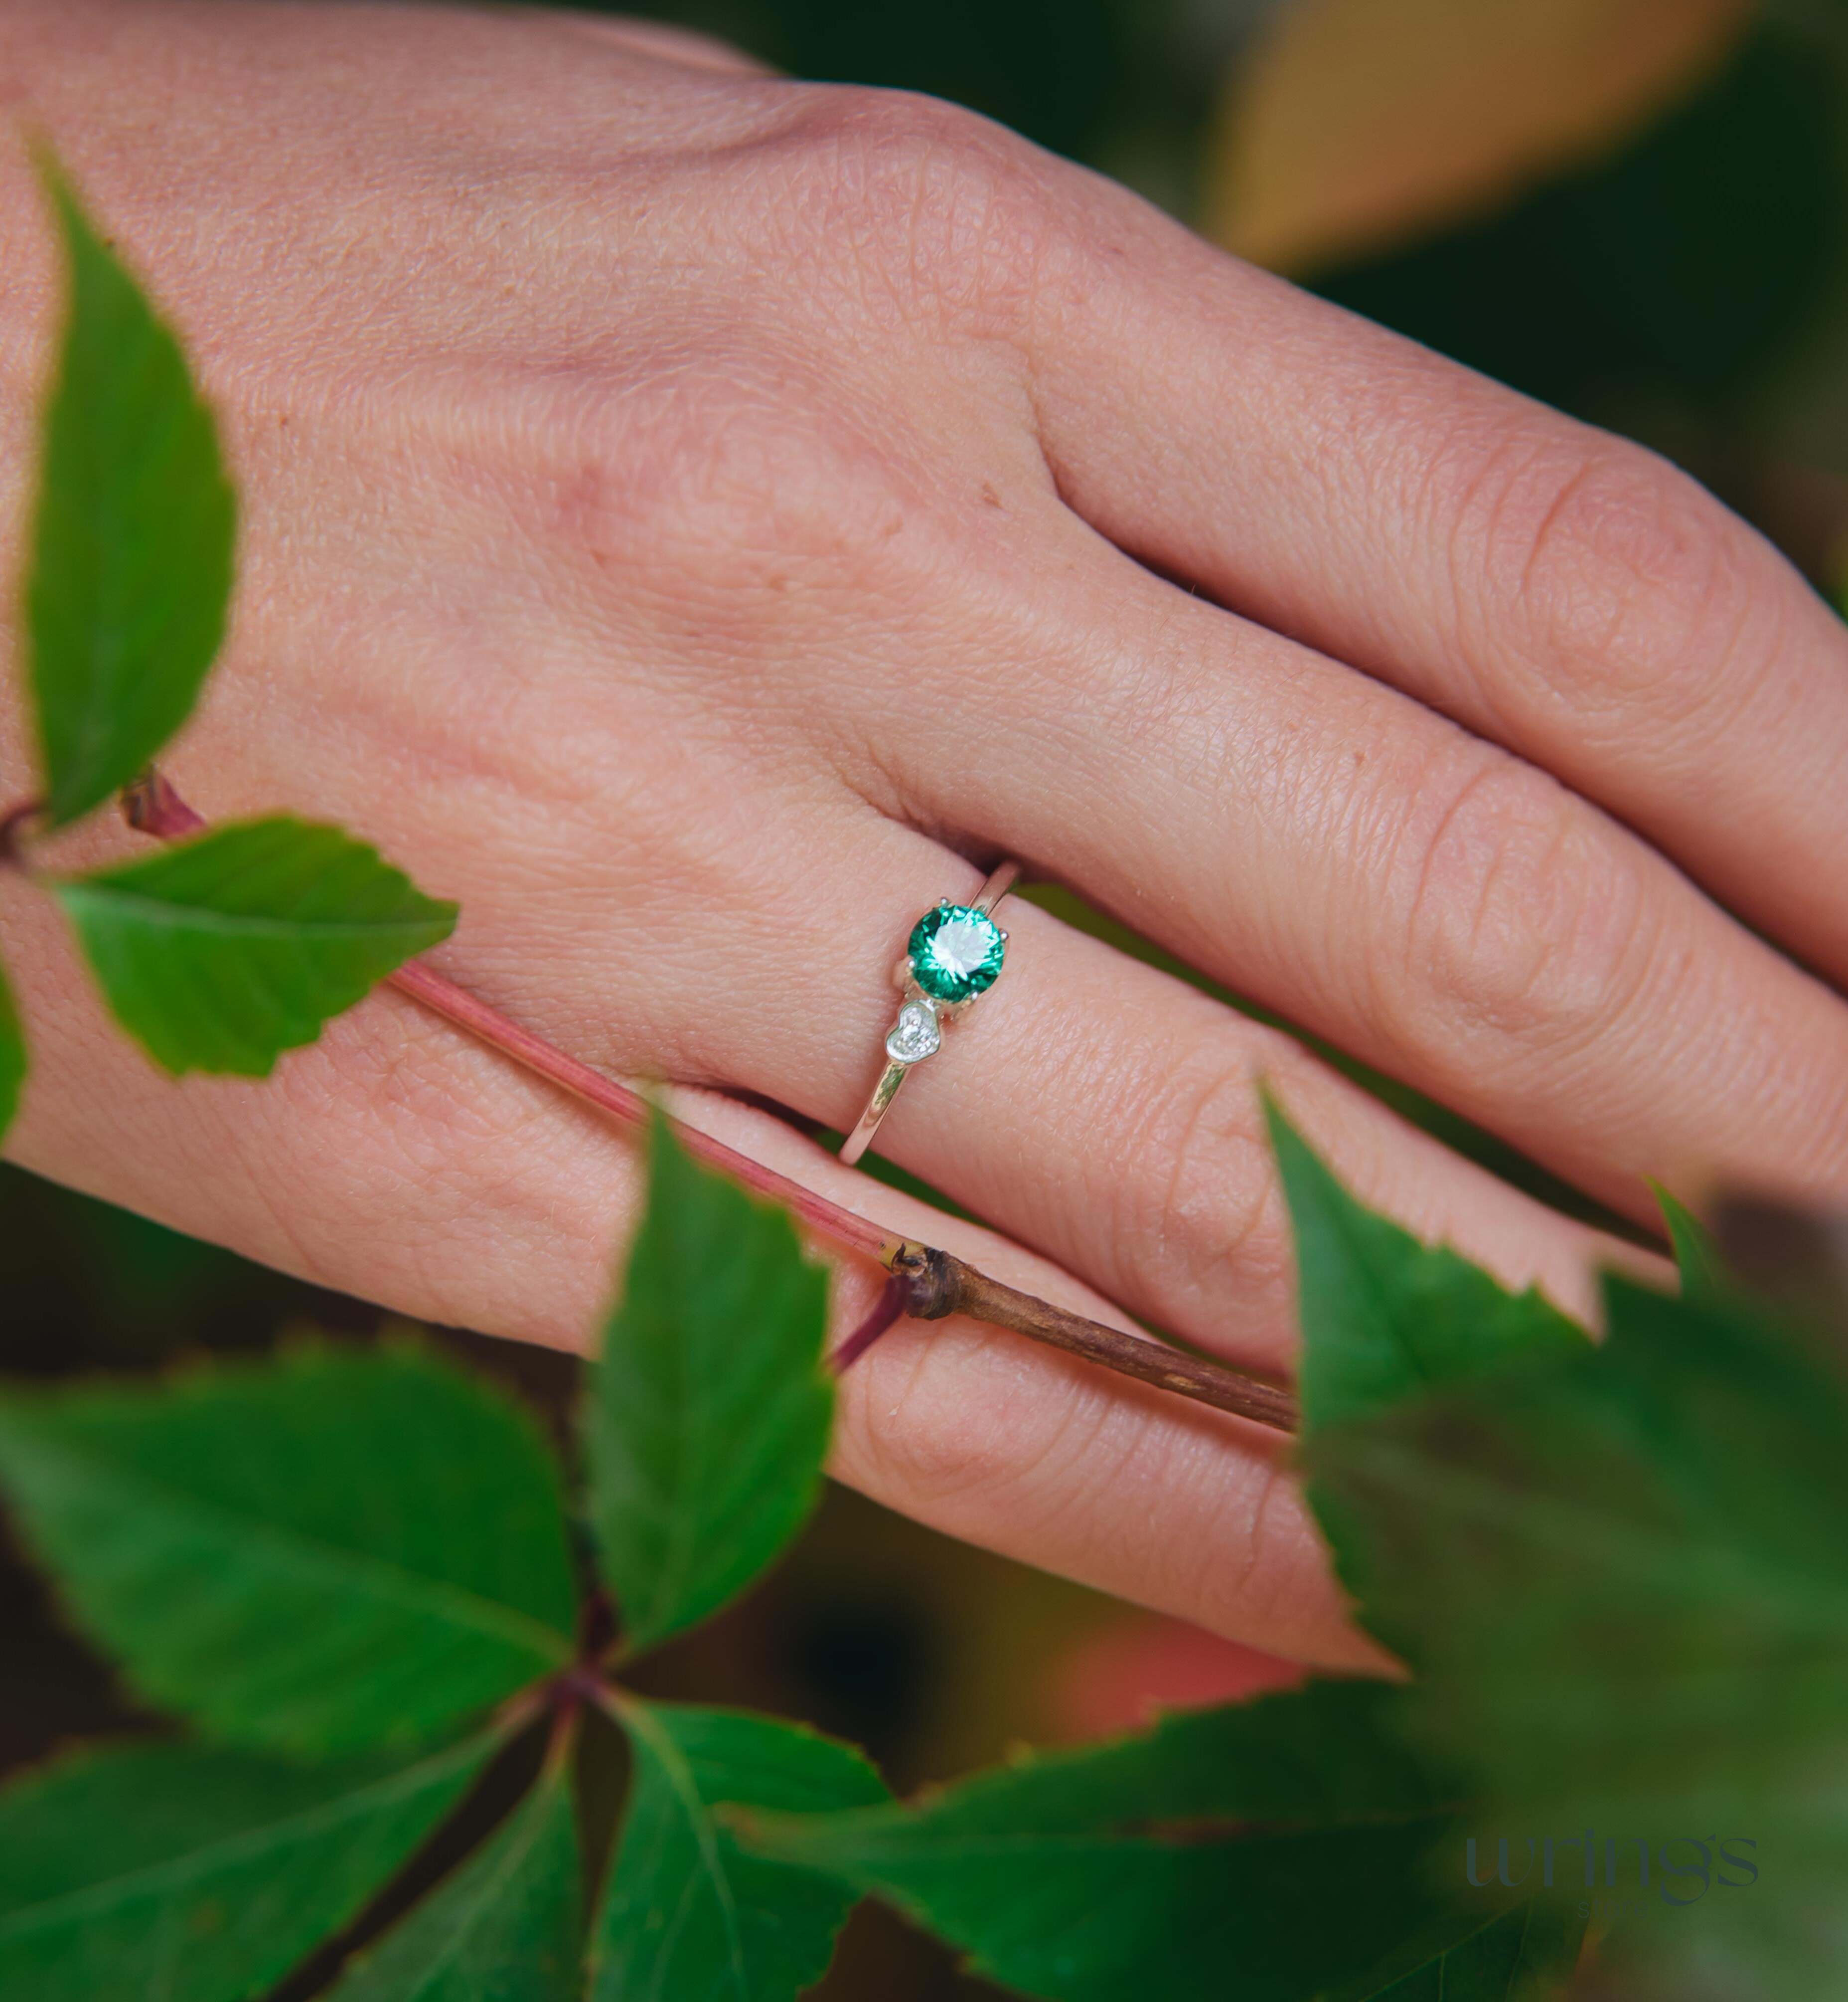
(458, 1606)
(406, 1779)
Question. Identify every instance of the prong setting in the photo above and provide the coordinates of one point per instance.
(955, 952)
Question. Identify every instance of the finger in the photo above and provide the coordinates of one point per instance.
(1559, 591)
(1335, 850)
(400, 1160)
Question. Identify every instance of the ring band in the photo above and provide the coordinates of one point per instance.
(953, 957)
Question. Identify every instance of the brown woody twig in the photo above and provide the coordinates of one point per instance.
(926, 1283)
(940, 1283)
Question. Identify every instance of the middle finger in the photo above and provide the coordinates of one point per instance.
(1328, 846)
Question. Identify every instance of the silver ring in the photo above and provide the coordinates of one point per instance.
(954, 955)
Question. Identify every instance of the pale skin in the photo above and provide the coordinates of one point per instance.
(699, 519)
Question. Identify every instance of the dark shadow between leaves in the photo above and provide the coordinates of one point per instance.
(500, 1789)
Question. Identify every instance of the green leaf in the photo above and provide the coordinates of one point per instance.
(132, 540)
(1521, 1956)
(166, 1873)
(503, 1928)
(12, 1055)
(1696, 1256)
(337, 1549)
(1670, 1509)
(220, 954)
(1283, 1843)
(687, 1912)
(709, 1409)
(1385, 1317)
(1625, 1573)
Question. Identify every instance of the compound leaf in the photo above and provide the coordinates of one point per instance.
(220, 954)
(132, 540)
(1289, 1839)
(1623, 1572)
(689, 1913)
(504, 1925)
(1669, 1508)
(158, 1872)
(332, 1551)
(708, 1413)
(1619, 1568)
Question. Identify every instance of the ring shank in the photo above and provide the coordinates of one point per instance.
(883, 1093)
(1002, 879)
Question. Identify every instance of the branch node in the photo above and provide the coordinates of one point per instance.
(931, 1290)
(891, 1306)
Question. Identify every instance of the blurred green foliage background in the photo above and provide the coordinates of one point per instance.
(1634, 209)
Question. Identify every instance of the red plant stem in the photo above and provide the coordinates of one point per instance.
(151, 806)
(623, 1102)
(894, 1300)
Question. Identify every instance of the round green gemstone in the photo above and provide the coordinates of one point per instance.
(955, 952)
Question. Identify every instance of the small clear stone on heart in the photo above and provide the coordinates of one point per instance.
(914, 1035)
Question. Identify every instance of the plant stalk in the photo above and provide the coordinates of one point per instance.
(942, 1284)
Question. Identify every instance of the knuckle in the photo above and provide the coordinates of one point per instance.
(405, 1110)
(1196, 1216)
(719, 451)
(1524, 920)
(1627, 578)
(951, 212)
(1250, 1575)
(951, 1416)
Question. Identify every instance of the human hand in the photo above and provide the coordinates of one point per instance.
(698, 520)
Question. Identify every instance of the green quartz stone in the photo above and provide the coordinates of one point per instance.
(955, 952)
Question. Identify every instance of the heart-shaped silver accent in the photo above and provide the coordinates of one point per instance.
(914, 1035)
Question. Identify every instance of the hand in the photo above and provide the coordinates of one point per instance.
(699, 519)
